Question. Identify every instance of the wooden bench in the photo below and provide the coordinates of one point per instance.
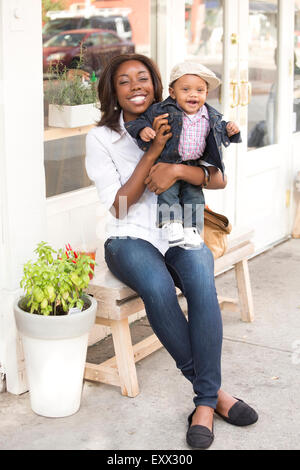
(117, 302)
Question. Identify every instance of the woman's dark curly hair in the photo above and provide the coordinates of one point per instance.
(110, 109)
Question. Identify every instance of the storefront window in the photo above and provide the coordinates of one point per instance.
(82, 37)
(296, 109)
(262, 72)
(204, 38)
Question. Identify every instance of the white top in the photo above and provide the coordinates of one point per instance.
(110, 161)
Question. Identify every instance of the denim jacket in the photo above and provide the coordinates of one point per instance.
(217, 135)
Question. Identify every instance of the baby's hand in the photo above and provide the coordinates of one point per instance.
(232, 128)
(147, 134)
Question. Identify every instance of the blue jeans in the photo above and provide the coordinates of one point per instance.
(196, 344)
(182, 202)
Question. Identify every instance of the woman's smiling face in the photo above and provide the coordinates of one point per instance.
(134, 88)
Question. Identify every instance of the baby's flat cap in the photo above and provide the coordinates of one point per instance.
(193, 68)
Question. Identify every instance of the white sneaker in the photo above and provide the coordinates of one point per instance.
(192, 237)
(175, 233)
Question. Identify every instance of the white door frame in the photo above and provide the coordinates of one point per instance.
(286, 96)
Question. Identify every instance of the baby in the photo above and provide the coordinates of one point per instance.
(197, 134)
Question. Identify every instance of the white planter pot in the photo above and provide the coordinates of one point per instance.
(55, 350)
(73, 116)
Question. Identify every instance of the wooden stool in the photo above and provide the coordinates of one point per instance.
(117, 302)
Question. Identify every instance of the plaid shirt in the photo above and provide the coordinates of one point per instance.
(195, 130)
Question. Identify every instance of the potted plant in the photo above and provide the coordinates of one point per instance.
(54, 317)
(72, 98)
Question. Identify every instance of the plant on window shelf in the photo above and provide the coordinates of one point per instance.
(72, 97)
(69, 89)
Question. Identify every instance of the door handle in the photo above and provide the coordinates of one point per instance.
(235, 94)
(234, 38)
(247, 91)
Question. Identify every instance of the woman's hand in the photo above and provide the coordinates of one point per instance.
(161, 177)
(135, 185)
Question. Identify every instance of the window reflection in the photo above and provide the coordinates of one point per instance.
(296, 107)
(262, 72)
(64, 165)
(101, 32)
(204, 38)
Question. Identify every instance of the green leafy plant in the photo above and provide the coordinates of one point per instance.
(69, 89)
(55, 282)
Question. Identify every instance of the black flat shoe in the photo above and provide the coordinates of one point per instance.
(240, 414)
(197, 436)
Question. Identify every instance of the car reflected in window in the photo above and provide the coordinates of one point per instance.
(97, 46)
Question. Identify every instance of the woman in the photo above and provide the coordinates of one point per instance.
(127, 182)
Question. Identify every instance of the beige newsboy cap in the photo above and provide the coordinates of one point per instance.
(193, 68)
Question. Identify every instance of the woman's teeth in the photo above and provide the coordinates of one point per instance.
(138, 99)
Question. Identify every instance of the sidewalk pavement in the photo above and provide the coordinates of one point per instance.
(261, 365)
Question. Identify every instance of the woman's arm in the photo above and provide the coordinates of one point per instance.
(135, 186)
(195, 175)
(163, 175)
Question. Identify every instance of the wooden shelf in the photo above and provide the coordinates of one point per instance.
(54, 133)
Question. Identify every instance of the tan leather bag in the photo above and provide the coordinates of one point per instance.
(216, 229)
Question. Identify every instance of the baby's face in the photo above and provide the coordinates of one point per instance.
(190, 92)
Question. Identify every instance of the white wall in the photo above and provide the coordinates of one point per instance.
(22, 180)
(77, 218)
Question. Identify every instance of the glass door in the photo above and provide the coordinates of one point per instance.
(262, 160)
(246, 44)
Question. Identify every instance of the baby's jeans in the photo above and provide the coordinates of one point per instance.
(195, 344)
(183, 202)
